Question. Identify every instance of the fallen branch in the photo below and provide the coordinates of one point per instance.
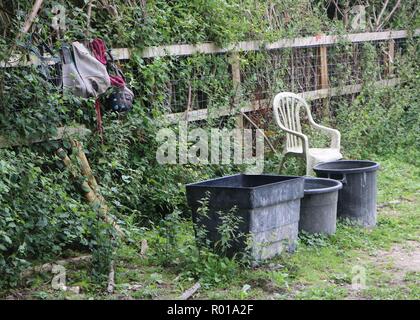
(190, 292)
(143, 248)
(47, 267)
(92, 196)
(262, 132)
(131, 286)
(389, 203)
(111, 278)
(84, 165)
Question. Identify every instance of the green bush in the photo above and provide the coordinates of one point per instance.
(384, 121)
(41, 214)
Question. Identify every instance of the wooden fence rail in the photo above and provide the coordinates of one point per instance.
(203, 114)
(211, 48)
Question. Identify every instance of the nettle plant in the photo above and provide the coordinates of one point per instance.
(185, 247)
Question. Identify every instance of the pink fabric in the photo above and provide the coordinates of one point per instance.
(98, 48)
(117, 81)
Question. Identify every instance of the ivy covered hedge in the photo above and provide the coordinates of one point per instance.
(42, 212)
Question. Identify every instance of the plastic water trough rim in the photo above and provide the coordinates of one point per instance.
(323, 167)
(335, 185)
(202, 184)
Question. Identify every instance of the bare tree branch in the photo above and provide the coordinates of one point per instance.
(190, 292)
(89, 16)
(28, 23)
(381, 13)
(389, 15)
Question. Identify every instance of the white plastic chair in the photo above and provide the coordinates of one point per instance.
(286, 107)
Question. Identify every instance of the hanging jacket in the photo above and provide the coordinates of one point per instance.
(83, 74)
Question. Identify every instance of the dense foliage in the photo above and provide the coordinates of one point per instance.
(42, 213)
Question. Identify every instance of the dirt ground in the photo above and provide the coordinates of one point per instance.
(402, 258)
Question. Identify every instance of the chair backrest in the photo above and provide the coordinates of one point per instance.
(286, 108)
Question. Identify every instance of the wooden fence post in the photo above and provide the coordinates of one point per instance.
(236, 79)
(324, 83)
(389, 59)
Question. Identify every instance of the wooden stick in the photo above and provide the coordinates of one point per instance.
(84, 164)
(190, 292)
(111, 278)
(144, 247)
(262, 104)
(389, 56)
(26, 26)
(189, 100)
(93, 198)
(323, 56)
(252, 45)
(262, 132)
(61, 133)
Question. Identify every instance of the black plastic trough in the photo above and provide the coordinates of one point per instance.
(318, 209)
(357, 199)
(268, 205)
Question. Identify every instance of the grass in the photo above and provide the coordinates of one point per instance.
(397, 180)
(321, 268)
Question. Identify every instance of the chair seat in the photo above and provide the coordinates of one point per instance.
(325, 154)
(296, 150)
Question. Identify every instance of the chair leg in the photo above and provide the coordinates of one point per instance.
(309, 165)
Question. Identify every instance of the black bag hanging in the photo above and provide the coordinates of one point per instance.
(120, 98)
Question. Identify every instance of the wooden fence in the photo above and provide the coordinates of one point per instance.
(321, 41)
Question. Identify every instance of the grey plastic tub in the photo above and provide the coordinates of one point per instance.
(268, 205)
(318, 208)
(357, 199)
